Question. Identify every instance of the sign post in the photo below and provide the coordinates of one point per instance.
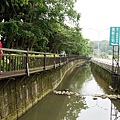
(115, 42)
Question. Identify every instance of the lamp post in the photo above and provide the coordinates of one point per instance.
(99, 32)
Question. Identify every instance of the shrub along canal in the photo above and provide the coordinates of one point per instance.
(82, 95)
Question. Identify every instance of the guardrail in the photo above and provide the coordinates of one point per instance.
(19, 62)
(107, 64)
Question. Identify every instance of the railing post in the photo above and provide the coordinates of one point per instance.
(54, 61)
(60, 61)
(44, 61)
(67, 58)
(64, 59)
(27, 65)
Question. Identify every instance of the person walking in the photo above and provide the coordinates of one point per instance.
(0, 41)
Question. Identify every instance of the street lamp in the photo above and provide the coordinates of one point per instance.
(99, 32)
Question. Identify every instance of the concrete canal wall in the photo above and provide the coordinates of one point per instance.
(104, 69)
(100, 69)
(19, 94)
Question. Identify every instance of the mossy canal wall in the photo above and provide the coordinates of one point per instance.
(102, 72)
(105, 71)
(19, 94)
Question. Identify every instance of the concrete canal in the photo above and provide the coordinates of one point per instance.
(78, 97)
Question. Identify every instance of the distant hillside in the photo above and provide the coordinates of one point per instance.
(104, 48)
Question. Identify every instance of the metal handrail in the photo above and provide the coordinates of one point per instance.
(27, 62)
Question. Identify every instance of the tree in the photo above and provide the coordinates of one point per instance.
(40, 25)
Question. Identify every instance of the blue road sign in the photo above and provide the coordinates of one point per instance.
(114, 36)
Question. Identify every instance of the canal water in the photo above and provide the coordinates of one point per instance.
(86, 106)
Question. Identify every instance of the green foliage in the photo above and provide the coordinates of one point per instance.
(22, 2)
(10, 27)
(104, 48)
(40, 25)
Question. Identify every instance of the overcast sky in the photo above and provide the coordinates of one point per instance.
(98, 15)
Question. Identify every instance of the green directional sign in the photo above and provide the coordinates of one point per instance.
(114, 36)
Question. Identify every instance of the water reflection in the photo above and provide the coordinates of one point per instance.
(86, 107)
